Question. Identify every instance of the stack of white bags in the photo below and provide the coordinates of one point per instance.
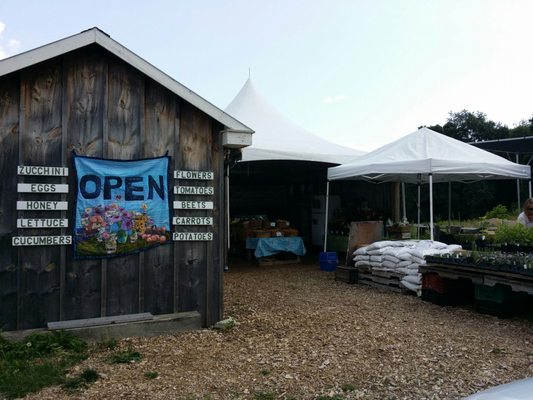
(403, 257)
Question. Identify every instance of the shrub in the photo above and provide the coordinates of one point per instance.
(516, 234)
(499, 211)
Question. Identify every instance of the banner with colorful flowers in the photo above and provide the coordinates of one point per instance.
(122, 207)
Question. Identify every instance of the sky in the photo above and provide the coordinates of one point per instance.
(360, 73)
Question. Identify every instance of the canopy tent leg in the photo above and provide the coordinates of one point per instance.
(227, 207)
(418, 212)
(228, 223)
(431, 206)
(404, 213)
(529, 189)
(449, 205)
(326, 221)
(419, 181)
(518, 203)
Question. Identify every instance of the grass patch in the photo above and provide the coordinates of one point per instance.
(264, 372)
(151, 374)
(124, 357)
(264, 396)
(110, 344)
(81, 382)
(38, 361)
(348, 387)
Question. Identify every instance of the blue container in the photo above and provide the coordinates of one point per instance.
(328, 261)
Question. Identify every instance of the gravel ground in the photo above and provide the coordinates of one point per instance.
(300, 334)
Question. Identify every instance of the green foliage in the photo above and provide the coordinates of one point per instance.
(264, 396)
(514, 234)
(523, 128)
(82, 381)
(124, 357)
(471, 127)
(499, 211)
(151, 374)
(348, 387)
(39, 360)
(110, 344)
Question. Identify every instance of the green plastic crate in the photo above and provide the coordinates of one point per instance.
(497, 294)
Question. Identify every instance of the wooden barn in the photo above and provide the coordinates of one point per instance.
(89, 95)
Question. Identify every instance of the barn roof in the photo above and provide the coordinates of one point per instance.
(96, 36)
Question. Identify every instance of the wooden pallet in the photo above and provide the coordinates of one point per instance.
(381, 279)
(274, 261)
(386, 274)
(364, 268)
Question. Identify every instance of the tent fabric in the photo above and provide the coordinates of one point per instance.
(277, 138)
(413, 157)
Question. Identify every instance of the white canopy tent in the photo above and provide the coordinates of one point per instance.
(277, 138)
(428, 156)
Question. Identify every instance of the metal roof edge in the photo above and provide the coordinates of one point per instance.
(95, 35)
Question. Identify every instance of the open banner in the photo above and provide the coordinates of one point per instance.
(122, 207)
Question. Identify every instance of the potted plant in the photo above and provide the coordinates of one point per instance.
(514, 238)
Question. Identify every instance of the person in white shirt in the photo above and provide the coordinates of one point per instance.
(526, 216)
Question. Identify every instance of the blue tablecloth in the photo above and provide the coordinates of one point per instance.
(269, 246)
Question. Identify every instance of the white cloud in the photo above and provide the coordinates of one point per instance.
(339, 98)
(10, 47)
(13, 46)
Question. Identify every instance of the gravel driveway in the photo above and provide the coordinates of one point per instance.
(300, 334)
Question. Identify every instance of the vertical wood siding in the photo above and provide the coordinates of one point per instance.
(93, 103)
(160, 134)
(192, 258)
(86, 82)
(9, 140)
(40, 144)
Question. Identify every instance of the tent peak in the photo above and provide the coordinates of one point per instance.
(278, 138)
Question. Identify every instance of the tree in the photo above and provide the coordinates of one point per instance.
(469, 126)
(523, 128)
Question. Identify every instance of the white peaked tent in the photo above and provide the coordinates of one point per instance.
(277, 138)
(428, 156)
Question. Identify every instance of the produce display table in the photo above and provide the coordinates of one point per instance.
(265, 247)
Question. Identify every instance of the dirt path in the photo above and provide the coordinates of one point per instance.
(302, 335)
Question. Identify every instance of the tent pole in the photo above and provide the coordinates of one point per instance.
(529, 187)
(517, 186)
(326, 221)
(228, 223)
(418, 212)
(227, 205)
(449, 205)
(404, 219)
(418, 180)
(431, 205)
